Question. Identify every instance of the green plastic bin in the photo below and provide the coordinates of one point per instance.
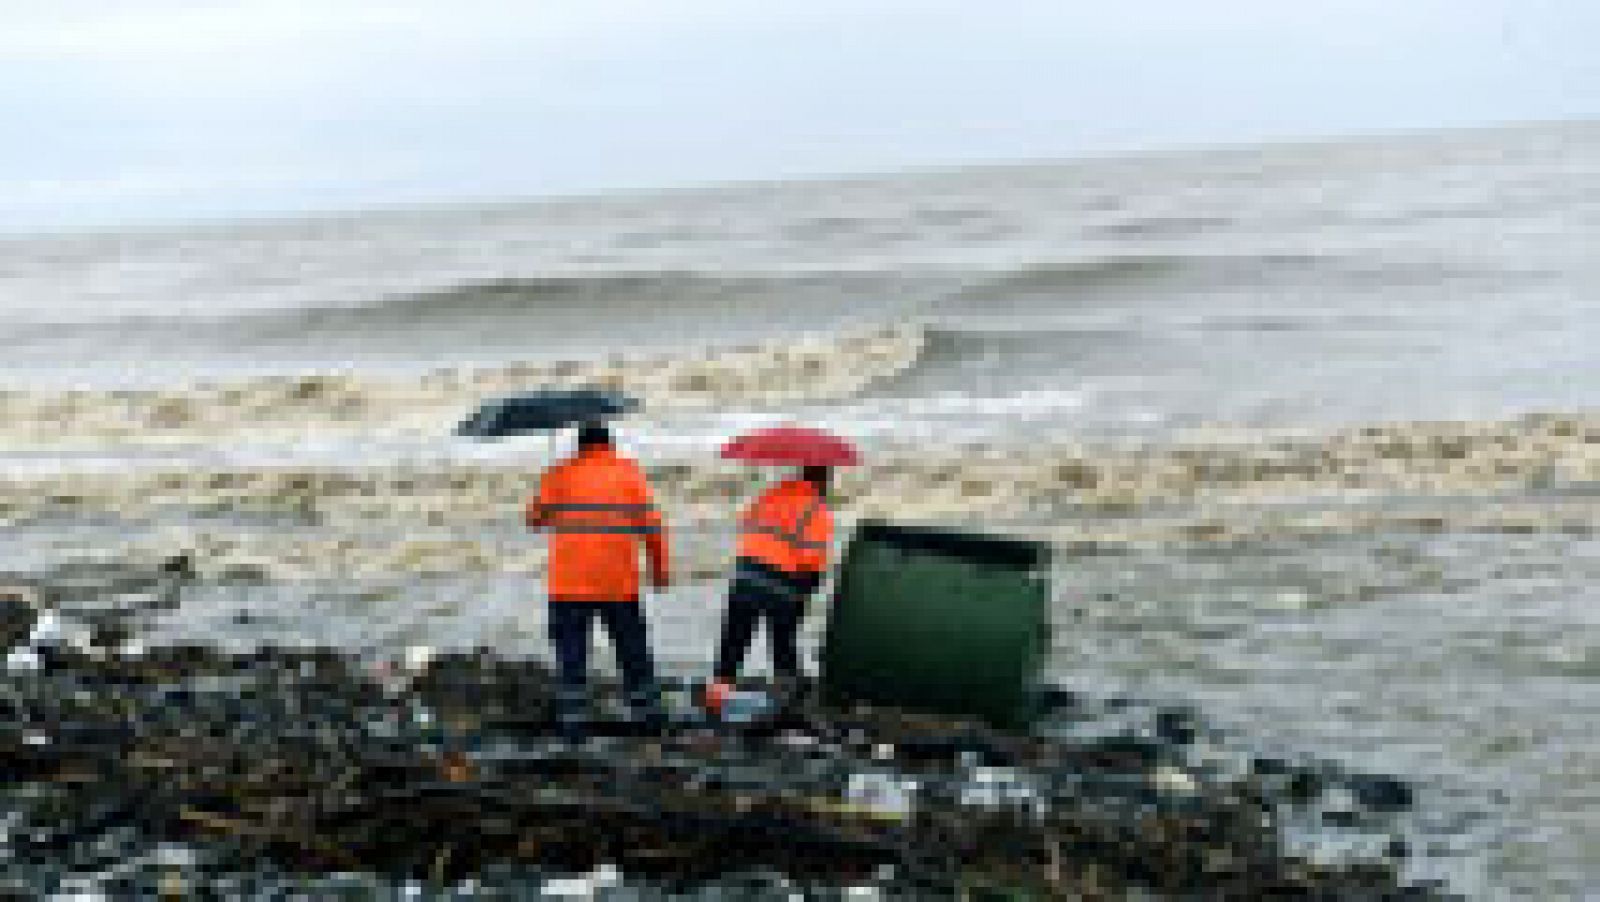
(938, 621)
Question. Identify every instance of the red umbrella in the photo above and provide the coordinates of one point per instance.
(792, 446)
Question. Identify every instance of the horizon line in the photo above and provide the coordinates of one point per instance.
(444, 206)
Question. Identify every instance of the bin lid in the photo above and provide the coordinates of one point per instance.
(1000, 551)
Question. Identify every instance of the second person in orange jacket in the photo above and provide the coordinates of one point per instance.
(599, 510)
(784, 538)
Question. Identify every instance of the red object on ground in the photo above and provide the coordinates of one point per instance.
(792, 446)
(717, 693)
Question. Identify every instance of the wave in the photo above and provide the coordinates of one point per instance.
(670, 310)
(1059, 287)
(998, 362)
(597, 295)
(818, 367)
(505, 318)
(872, 364)
(662, 294)
(1164, 226)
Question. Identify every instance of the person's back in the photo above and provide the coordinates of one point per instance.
(598, 509)
(789, 526)
(784, 537)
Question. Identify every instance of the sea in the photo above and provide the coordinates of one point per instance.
(1311, 428)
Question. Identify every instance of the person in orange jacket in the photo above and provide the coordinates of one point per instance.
(784, 539)
(598, 509)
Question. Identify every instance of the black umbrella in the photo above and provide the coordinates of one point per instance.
(545, 410)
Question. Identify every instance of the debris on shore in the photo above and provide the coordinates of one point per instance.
(186, 769)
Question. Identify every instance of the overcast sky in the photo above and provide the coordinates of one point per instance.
(145, 110)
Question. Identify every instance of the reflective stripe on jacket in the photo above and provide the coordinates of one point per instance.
(598, 509)
(788, 528)
(772, 581)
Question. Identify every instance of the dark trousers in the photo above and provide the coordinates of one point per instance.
(756, 595)
(570, 625)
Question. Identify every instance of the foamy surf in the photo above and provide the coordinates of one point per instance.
(806, 369)
(1532, 474)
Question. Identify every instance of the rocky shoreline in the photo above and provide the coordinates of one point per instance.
(185, 770)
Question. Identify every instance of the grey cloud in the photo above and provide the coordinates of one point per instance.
(184, 109)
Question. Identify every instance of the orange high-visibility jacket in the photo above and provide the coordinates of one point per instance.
(597, 508)
(789, 527)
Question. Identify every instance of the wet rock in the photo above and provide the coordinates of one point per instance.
(1178, 726)
(1057, 700)
(1124, 752)
(18, 612)
(1379, 792)
(1305, 785)
(1298, 784)
(180, 565)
